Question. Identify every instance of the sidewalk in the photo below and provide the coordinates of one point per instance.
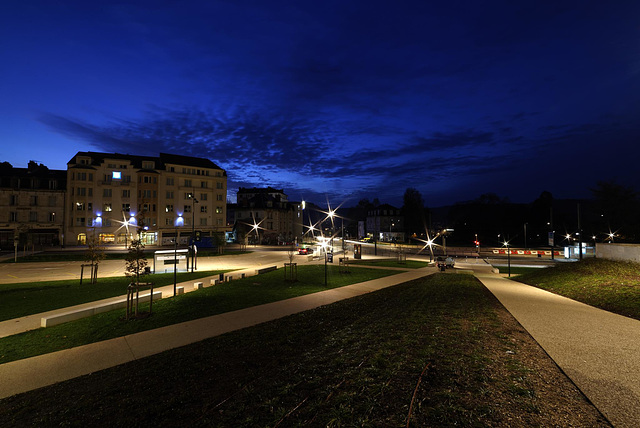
(598, 350)
(36, 372)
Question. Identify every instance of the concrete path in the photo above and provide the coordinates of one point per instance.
(598, 350)
(36, 372)
(38, 271)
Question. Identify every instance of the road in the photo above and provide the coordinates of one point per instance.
(51, 271)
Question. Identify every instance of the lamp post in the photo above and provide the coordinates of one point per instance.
(126, 232)
(193, 229)
(175, 262)
(525, 236)
(325, 264)
(508, 258)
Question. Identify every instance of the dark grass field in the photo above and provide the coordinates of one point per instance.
(440, 351)
(606, 284)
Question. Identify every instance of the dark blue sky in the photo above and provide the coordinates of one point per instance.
(340, 99)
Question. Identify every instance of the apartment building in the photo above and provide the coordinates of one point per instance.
(31, 206)
(118, 197)
(280, 220)
(386, 223)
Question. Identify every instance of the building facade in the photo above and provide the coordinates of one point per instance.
(279, 220)
(32, 203)
(117, 197)
(386, 223)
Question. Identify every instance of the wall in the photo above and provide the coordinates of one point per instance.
(626, 252)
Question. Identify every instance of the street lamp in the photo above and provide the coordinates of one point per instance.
(193, 229)
(506, 243)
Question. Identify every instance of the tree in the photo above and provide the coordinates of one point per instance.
(220, 241)
(136, 261)
(413, 212)
(619, 208)
(94, 254)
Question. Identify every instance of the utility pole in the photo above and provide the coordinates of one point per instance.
(193, 230)
(175, 263)
(579, 234)
(553, 238)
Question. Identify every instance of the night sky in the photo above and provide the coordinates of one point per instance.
(334, 99)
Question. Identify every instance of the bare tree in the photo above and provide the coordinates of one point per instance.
(291, 251)
(94, 254)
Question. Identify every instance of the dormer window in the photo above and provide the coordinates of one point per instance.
(148, 165)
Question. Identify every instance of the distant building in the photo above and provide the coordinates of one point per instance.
(117, 197)
(32, 203)
(385, 223)
(280, 220)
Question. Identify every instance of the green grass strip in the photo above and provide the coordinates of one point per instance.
(606, 284)
(238, 294)
(21, 299)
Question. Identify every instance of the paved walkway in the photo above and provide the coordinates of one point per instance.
(598, 350)
(43, 370)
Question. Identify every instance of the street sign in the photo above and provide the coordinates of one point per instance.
(551, 240)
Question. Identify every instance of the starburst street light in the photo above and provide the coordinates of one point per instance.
(428, 243)
(506, 244)
(125, 223)
(331, 214)
(255, 227)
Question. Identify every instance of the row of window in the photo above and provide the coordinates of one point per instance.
(34, 200)
(33, 217)
(108, 193)
(32, 183)
(126, 207)
(147, 221)
(189, 183)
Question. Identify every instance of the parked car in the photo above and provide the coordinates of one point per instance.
(305, 251)
(444, 262)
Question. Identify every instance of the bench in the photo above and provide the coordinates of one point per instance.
(87, 312)
(266, 269)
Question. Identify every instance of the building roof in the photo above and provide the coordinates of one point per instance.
(98, 158)
(187, 160)
(42, 174)
(260, 190)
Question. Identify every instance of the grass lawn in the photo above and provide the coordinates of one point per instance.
(607, 284)
(440, 351)
(18, 300)
(410, 264)
(238, 294)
